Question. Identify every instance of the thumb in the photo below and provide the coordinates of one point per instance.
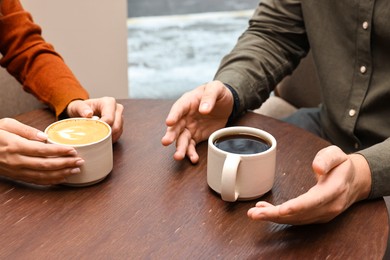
(13, 126)
(210, 94)
(79, 108)
(328, 158)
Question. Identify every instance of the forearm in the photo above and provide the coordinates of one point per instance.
(268, 51)
(33, 62)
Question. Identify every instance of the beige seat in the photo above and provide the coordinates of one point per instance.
(300, 89)
(14, 100)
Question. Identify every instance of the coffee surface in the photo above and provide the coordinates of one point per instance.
(242, 144)
(77, 132)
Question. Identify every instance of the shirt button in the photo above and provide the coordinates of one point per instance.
(363, 69)
(356, 146)
(352, 112)
(365, 25)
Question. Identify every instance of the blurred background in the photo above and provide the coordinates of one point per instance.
(134, 48)
(176, 45)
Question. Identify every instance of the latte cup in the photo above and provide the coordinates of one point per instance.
(92, 140)
(241, 162)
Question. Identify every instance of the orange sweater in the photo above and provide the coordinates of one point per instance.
(34, 62)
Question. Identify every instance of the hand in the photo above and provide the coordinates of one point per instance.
(195, 116)
(341, 181)
(106, 108)
(24, 155)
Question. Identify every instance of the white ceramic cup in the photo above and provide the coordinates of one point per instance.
(92, 140)
(239, 176)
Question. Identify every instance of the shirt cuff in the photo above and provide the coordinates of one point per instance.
(236, 105)
(377, 157)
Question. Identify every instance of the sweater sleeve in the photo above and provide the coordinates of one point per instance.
(34, 62)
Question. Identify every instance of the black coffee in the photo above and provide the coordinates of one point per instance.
(242, 144)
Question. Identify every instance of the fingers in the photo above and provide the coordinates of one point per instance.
(318, 205)
(185, 145)
(212, 91)
(13, 126)
(46, 163)
(281, 214)
(191, 152)
(19, 145)
(106, 108)
(289, 212)
(49, 164)
(202, 100)
(117, 126)
(80, 108)
(173, 132)
(43, 177)
(328, 158)
(337, 188)
(181, 145)
(21, 153)
(257, 213)
(195, 115)
(180, 108)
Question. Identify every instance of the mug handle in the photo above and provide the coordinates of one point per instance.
(229, 176)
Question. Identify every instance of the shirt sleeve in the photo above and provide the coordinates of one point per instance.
(266, 52)
(34, 62)
(377, 157)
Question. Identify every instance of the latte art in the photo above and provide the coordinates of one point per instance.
(77, 132)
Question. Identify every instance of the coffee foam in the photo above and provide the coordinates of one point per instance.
(77, 132)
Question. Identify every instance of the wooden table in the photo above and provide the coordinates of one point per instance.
(152, 207)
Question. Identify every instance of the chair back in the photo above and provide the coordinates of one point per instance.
(14, 100)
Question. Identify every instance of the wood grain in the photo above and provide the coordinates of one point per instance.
(153, 207)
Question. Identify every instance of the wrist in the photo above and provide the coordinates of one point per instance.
(63, 114)
(236, 103)
(362, 177)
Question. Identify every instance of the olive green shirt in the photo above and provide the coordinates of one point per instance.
(349, 40)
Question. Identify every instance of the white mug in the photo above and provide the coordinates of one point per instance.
(92, 140)
(237, 173)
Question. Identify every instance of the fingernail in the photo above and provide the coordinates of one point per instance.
(80, 162)
(73, 152)
(204, 106)
(42, 136)
(88, 112)
(75, 171)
